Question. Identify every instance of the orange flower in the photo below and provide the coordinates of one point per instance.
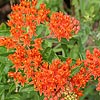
(42, 14)
(24, 18)
(17, 77)
(51, 78)
(25, 40)
(92, 63)
(63, 26)
(25, 59)
(37, 43)
(80, 79)
(7, 42)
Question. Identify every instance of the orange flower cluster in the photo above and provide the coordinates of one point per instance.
(25, 61)
(92, 63)
(24, 18)
(91, 67)
(7, 42)
(52, 78)
(79, 80)
(27, 57)
(63, 26)
(18, 77)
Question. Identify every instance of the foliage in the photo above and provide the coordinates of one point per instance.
(87, 12)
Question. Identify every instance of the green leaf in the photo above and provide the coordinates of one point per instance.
(5, 52)
(11, 88)
(2, 89)
(3, 97)
(4, 30)
(13, 97)
(64, 47)
(62, 58)
(75, 70)
(5, 60)
(40, 30)
(46, 53)
(2, 66)
(46, 44)
(47, 32)
(3, 26)
(51, 56)
(2, 50)
(26, 89)
(87, 91)
(74, 52)
(36, 96)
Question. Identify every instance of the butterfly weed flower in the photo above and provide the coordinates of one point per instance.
(24, 19)
(18, 78)
(63, 26)
(7, 42)
(51, 79)
(26, 62)
(92, 63)
(79, 80)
